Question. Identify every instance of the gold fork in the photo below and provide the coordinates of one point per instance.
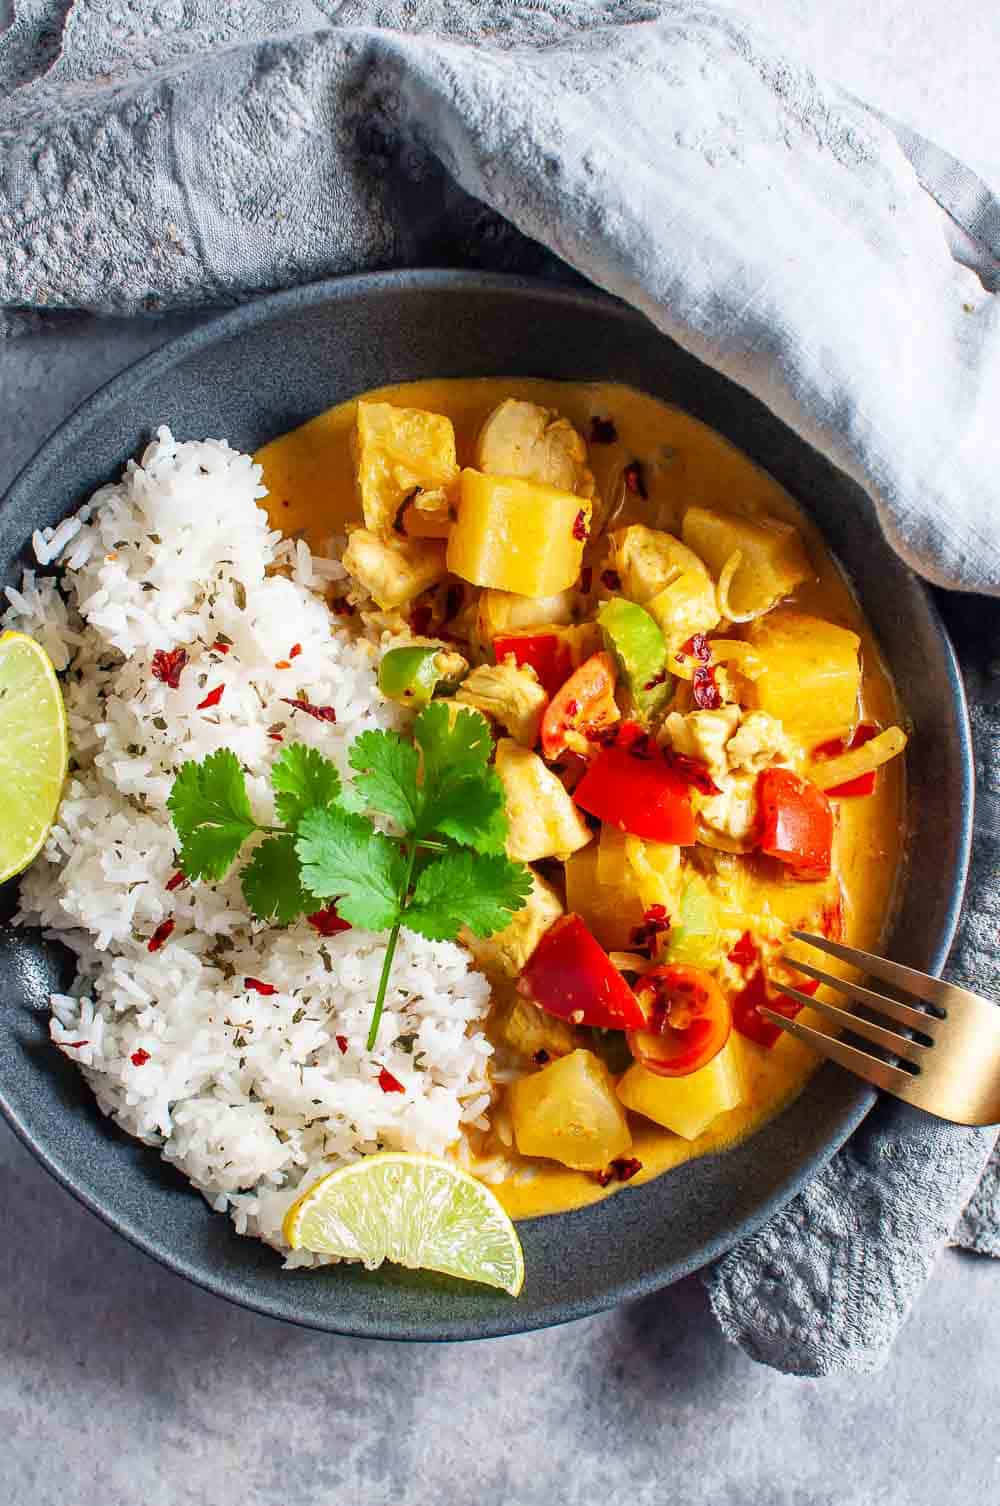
(951, 1066)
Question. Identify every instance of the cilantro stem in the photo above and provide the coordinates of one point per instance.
(390, 949)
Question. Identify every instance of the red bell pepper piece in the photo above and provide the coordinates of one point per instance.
(642, 795)
(796, 823)
(585, 704)
(548, 654)
(570, 975)
(747, 1018)
(688, 1020)
(865, 783)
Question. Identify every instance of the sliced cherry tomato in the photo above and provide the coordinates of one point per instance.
(550, 655)
(747, 1017)
(688, 1020)
(570, 975)
(584, 705)
(796, 823)
(640, 794)
(865, 783)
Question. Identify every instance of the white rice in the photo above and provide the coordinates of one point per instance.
(249, 1095)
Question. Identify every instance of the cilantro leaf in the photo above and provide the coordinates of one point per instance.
(387, 775)
(211, 814)
(302, 779)
(344, 858)
(471, 811)
(271, 884)
(463, 889)
(453, 749)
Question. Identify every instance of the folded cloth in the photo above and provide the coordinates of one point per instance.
(828, 259)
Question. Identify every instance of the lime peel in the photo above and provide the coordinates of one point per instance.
(34, 750)
(416, 1210)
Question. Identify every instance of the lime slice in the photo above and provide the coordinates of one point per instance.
(419, 1211)
(33, 750)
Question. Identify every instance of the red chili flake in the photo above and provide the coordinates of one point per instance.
(744, 953)
(832, 920)
(276, 737)
(586, 579)
(219, 647)
(168, 665)
(656, 680)
(635, 480)
(705, 692)
(603, 431)
(580, 529)
(295, 650)
(611, 579)
(694, 771)
(625, 734)
(342, 606)
(327, 922)
(212, 699)
(256, 986)
(572, 709)
(139, 1058)
(74, 1045)
(341, 1043)
(642, 746)
(654, 923)
(283, 664)
(622, 1169)
(162, 933)
(178, 881)
(420, 620)
(540, 1057)
(697, 647)
(388, 1083)
(321, 713)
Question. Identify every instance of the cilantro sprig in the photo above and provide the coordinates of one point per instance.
(442, 867)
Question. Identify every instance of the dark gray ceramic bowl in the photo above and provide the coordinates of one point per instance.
(262, 369)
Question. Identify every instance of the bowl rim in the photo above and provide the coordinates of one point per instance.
(70, 431)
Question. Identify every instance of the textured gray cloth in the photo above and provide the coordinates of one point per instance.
(191, 152)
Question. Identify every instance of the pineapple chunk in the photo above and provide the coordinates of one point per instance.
(647, 560)
(609, 914)
(810, 677)
(403, 453)
(526, 1029)
(774, 557)
(569, 1112)
(522, 439)
(516, 535)
(542, 820)
(508, 950)
(510, 694)
(686, 1105)
(393, 570)
(502, 612)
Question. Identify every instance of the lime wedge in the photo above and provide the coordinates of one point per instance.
(33, 750)
(418, 1211)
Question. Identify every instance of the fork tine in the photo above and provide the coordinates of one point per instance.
(879, 1074)
(931, 990)
(897, 1044)
(903, 1014)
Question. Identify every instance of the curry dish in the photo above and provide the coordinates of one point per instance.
(694, 731)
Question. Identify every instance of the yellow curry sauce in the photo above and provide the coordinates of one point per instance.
(310, 474)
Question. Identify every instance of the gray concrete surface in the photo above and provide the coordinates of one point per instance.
(122, 1385)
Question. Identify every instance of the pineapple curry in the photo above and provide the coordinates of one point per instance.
(694, 731)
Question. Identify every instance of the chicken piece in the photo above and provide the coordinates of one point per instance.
(647, 560)
(687, 606)
(522, 1027)
(522, 439)
(508, 950)
(542, 820)
(393, 570)
(403, 455)
(511, 695)
(506, 612)
(758, 741)
(732, 814)
(704, 735)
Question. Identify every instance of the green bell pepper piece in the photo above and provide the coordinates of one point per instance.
(637, 642)
(409, 675)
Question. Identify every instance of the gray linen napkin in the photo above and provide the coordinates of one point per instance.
(195, 153)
